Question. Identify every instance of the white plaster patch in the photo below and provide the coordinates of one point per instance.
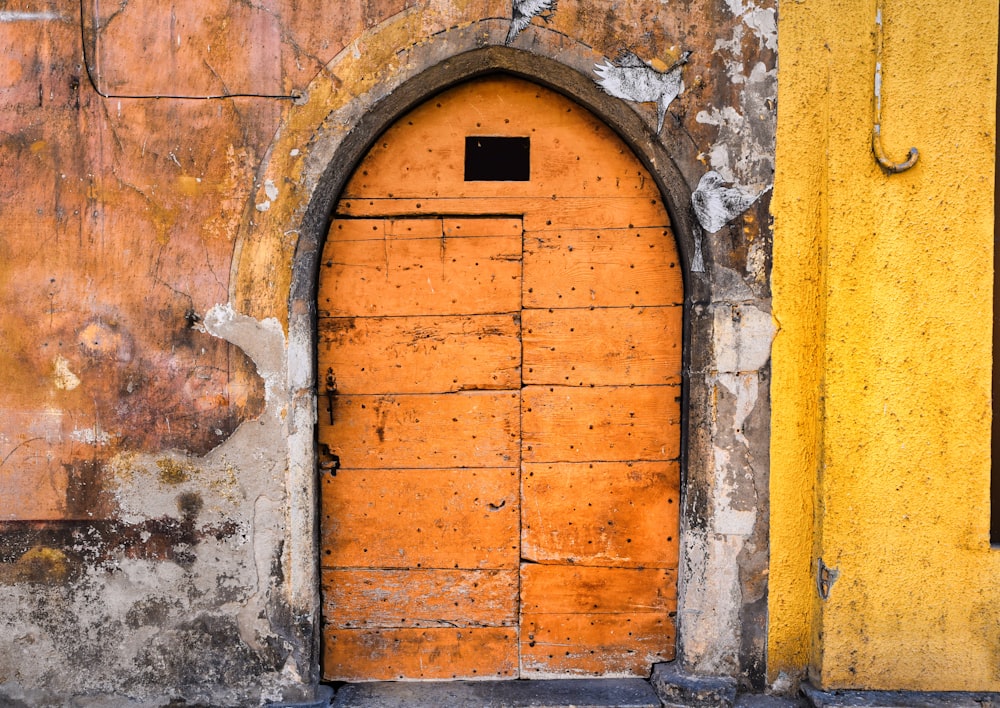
(744, 149)
(262, 340)
(91, 436)
(761, 21)
(63, 377)
(741, 337)
(270, 190)
(263, 206)
(709, 631)
(15, 16)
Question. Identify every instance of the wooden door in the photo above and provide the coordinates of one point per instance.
(500, 305)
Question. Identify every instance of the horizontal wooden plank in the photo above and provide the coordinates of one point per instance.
(457, 227)
(594, 644)
(420, 354)
(426, 227)
(604, 513)
(602, 268)
(420, 519)
(383, 228)
(602, 423)
(426, 653)
(603, 346)
(421, 277)
(571, 589)
(540, 213)
(464, 429)
(419, 598)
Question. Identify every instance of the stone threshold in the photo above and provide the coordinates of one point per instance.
(558, 693)
(668, 687)
(900, 699)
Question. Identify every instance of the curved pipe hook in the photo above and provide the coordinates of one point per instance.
(883, 159)
(887, 164)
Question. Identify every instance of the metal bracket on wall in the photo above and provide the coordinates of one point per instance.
(883, 159)
(825, 578)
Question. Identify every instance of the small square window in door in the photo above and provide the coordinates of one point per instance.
(497, 159)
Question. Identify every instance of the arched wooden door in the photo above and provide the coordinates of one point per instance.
(500, 308)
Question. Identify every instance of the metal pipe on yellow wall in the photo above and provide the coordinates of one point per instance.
(883, 159)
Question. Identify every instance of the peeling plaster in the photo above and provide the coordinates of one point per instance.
(63, 377)
(195, 563)
(15, 16)
(263, 341)
(91, 436)
(742, 336)
(761, 21)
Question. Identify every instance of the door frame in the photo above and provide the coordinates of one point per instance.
(280, 245)
(552, 75)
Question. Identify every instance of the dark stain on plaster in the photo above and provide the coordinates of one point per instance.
(206, 650)
(55, 551)
(85, 493)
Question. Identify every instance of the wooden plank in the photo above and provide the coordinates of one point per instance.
(562, 589)
(603, 346)
(594, 644)
(428, 227)
(602, 268)
(421, 277)
(603, 423)
(465, 429)
(382, 228)
(420, 518)
(421, 354)
(606, 513)
(457, 227)
(540, 213)
(425, 653)
(419, 598)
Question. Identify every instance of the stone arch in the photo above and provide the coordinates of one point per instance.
(275, 271)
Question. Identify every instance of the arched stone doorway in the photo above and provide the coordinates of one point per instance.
(500, 327)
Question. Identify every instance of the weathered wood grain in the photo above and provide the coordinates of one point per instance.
(603, 423)
(603, 346)
(573, 589)
(358, 598)
(429, 226)
(572, 152)
(425, 653)
(445, 276)
(420, 519)
(421, 354)
(594, 644)
(464, 429)
(601, 513)
(473, 324)
(541, 213)
(608, 267)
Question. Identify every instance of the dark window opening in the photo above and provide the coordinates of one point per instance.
(493, 159)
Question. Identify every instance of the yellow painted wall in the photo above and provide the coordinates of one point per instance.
(881, 392)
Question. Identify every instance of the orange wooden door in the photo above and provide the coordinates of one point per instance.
(506, 340)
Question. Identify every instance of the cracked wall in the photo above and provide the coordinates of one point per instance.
(156, 430)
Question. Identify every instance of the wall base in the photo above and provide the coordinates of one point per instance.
(899, 699)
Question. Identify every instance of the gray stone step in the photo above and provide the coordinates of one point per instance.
(899, 699)
(579, 693)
